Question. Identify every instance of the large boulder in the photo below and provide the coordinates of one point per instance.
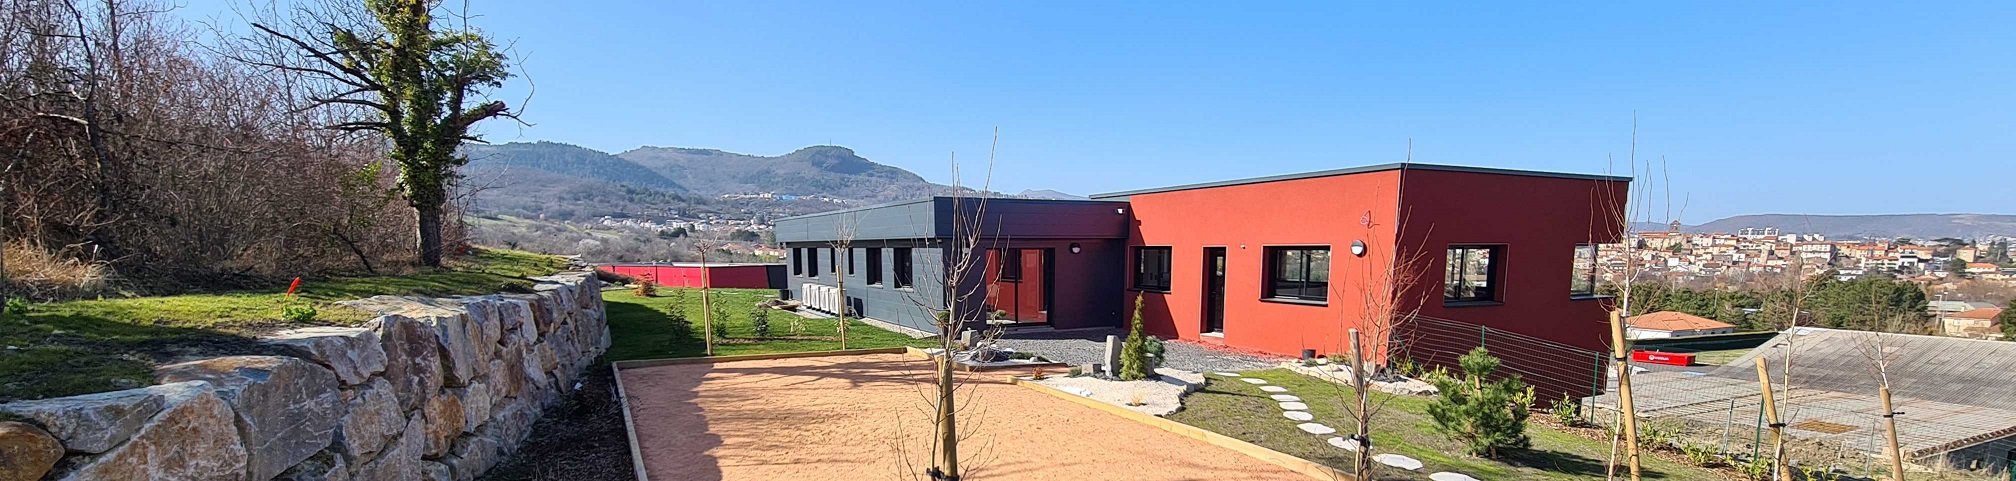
(401, 462)
(286, 409)
(476, 404)
(194, 438)
(95, 423)
(26, 452)
(412, 359)
(444, 415)
(353, 353)
(472, 456)
(372, 420)
(324, 466)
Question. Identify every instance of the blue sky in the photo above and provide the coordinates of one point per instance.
(1793, 107)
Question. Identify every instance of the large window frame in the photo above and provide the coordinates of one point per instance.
(1010, 265)
(1152, 267)
(1465, 283)
(904, 277)
(798, 261)
(874, 260)
(1582, 272)
(1299, 274)
(812, 262)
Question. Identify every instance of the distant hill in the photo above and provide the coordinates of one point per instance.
(1048, 194)
(1922, 226)
(817, 170)
(567, 160)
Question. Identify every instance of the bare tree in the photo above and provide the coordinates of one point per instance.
(844, 231)
(706, 292)
(1637, 209)
(1387, 290)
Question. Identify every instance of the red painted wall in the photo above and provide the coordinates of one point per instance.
(1246, 218)
(1022, 299)
(1539, 220)
(727, 277)
(1401, 215)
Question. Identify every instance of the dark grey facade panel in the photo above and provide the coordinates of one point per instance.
(906, 220)
(908, 307)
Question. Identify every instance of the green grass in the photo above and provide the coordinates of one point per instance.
(643, 328)
(95, 345)
(1243, 411)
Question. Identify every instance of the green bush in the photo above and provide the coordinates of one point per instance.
(759, 320)
(1699, 454)
(1567, 411)
(1485, 415)
(1134, 356)
(298, 314)
(719, 322)
(17, 308)
(1759, 468)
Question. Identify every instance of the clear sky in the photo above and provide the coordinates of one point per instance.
(1756, 107)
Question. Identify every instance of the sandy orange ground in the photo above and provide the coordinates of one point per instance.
(841, 418)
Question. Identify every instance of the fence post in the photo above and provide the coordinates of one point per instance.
(1727, 426)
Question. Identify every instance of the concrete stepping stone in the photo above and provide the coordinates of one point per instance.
(1298, 415)
(1253, 381)
(1346, 444)
(1286, 398)
(1227, 374)
(1313, 428)
(1448, 476)
(1273, 389)
(1398, 461)
(1294, 406)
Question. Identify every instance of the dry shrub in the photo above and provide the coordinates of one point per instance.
(34, 272)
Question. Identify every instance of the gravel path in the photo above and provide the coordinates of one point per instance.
(1081, 346)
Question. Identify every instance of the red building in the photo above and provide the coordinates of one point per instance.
(1287, 263)
(690, 274)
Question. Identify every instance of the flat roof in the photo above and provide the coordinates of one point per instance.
(935, 198)
(689, 264)
(1361, 170)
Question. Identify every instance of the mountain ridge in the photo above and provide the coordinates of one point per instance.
(1924, 226)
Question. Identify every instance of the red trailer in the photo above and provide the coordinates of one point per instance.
(1667, 358)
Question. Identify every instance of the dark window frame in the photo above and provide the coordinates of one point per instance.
(850, 260)
(1305, 288)
(874, 260)
(798, 261)
(812, 262)
(1583, 274)
(1453, 287)
(1011, 265)
(905, 277)
(1154, 275)
(833, 256)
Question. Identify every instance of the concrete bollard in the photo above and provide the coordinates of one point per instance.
(1112, 355)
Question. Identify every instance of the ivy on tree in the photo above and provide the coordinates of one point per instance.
(1486, 415)
(418, 82)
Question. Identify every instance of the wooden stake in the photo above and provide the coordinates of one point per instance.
(1782, 472)
(706, 303)
(1620, 355)
(1890, 424)
(1362, 460)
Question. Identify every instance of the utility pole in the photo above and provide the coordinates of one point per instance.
(1620, 355)
(1890, 424)
(1780, 472)
(1361, 462)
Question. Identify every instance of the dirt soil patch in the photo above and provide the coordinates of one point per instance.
(579, 439)
(844, 418)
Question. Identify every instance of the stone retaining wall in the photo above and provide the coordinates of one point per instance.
(432, 389)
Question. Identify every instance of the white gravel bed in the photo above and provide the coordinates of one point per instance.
(1158, 397)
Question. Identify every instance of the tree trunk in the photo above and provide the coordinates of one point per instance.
(430, 234)
(948, 432)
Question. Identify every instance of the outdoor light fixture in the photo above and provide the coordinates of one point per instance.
(1075, 248)
(1121, 211)
(1358, 248)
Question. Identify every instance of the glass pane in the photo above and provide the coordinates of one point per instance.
(1452, 282)
(1584, 270)
(1319, 265)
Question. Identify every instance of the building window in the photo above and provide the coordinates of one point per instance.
(833, 255)
(797, 261)
(1583, 282)
(1151, 268)
(1011, 264)
(1298, 273)
(811, 262)
(1472, 274)
(850, 260)
(874, 266)
(902, 262)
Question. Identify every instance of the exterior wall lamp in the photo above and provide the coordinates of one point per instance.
(1075, 248)
(1358, 248)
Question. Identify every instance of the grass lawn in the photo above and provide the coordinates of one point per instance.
(1243, 411)
(96, 345)
(643, 328)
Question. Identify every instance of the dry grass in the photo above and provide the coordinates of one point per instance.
(37, 273)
